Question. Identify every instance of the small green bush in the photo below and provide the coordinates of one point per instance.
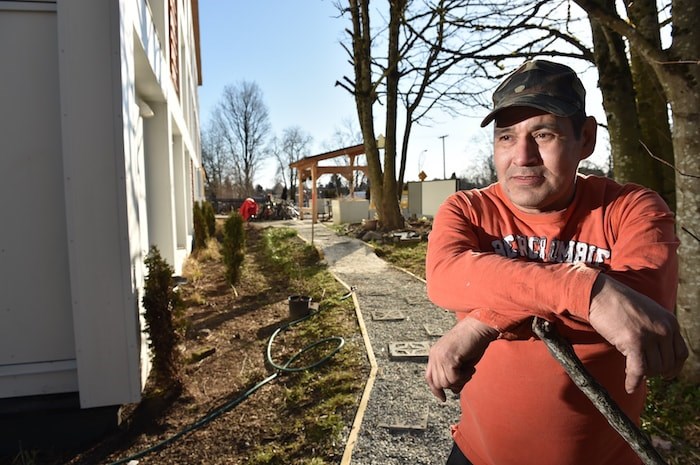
(161, 303)
(201, 230)
(233, 247)
(209, 217)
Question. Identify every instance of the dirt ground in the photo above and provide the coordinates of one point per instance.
(224, 349)
(224, 353)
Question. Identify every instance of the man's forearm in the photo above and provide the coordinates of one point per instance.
(512, 290)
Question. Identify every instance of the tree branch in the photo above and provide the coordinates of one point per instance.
(564, 353)
(614, 23)
(345, 86)
(667, 163)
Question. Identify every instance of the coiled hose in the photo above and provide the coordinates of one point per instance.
(286, 367)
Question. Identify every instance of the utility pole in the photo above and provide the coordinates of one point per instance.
(444, 173)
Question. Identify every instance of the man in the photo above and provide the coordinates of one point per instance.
(595, 258)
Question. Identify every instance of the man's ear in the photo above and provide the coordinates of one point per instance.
(589, 134)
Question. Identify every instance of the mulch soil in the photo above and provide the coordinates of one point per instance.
(224, 349)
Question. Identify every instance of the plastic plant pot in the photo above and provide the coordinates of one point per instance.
(298, 306)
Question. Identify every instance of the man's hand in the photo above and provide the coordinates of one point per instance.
(453, 357)
(644, 332)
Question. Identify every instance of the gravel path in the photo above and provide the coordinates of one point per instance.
(402, 422)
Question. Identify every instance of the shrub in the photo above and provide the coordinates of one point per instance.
(201, 230)
(161, 302)
(210, 218)
(233, 247)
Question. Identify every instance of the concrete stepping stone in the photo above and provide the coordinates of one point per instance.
(388, 315)
(433, 330)
(409, 350)
(419, 423)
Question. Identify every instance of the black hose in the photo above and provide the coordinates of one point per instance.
(280, 369)
(286, 367)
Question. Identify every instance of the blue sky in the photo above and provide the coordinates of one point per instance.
(291, 49)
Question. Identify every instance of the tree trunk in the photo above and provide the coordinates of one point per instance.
(391, 217)
(686, 140)
(365, 95)
(678, 71)
(404, 154)
(615, 83)
(681, 80)
(652, 104)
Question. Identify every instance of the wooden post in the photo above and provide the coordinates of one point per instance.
(300, 178)
(313, 193)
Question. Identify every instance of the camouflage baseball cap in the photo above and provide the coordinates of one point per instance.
(549, 86)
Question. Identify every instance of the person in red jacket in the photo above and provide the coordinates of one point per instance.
(595, 258)
(248, 209)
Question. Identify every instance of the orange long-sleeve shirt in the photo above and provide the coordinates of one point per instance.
(493, 262)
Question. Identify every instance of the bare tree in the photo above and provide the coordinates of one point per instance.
(652, 106)
(215, 158)
(409, 79)
(346, 134)
(294, 145)
(434, 55)
(242, 117)
(364, 90)
(635, 107)
(482, 171)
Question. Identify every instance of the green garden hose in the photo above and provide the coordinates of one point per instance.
(280, 369)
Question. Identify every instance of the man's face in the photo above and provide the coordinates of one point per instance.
(536, 155)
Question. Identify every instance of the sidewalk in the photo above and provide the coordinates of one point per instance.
(399, 422)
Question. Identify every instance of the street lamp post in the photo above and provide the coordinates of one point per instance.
(444, 173)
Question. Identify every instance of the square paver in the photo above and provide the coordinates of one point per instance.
(419, 423)
(433, 330)
(409, 350)
(388, 315)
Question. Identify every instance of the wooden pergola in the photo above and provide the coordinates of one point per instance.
(308, 167)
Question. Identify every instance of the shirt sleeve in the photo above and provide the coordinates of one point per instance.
(645, 251)
(503, 292)
(499, 291)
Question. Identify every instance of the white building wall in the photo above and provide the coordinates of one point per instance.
(424, 198)
(35, 299)
(179, 193)
(115, 172)
(415, 199)
(435, 192)
(105, 316)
